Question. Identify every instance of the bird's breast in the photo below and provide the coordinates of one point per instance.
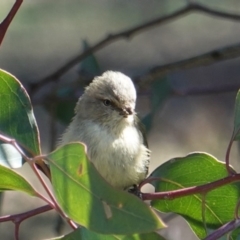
(120, 158)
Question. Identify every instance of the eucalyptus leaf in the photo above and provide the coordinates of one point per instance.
(193, 170)
(90, 201)
(10, 180)
(17, 120)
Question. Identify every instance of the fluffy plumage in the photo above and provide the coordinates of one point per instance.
(106, 122)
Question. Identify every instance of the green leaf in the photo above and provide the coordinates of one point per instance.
(193, 170)
(10, 180)
(90, 201)
(236, 131)
(235, 234)
(16, 114)
(84, 234)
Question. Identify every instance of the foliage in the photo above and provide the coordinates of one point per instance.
(197, 187)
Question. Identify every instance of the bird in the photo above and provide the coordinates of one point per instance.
(106, 122)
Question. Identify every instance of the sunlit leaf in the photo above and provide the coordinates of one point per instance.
(90, 201)
(193, 170)
(16, 115)
(10, 180)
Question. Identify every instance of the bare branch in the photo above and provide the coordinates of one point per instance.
(188, 190)
(130, 33)
(18, 218)
(207, 91)
(6, 22)
(201, 60)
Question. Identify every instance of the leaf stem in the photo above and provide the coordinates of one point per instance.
(31, 161)
(18, 218)
(49, 192)
(6, 22)
(170, 195)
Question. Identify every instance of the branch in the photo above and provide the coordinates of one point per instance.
(206, 90)
(128, 34)
(31, 162)
(187, 191)
(6, 22)
(201, 60)
(18, 218)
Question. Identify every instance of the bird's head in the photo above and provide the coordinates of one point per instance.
(110, 97)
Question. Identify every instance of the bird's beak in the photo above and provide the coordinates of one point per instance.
(125, 112)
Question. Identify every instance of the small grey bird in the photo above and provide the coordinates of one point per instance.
(107, 123)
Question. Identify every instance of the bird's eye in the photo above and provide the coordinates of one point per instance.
(106, 102)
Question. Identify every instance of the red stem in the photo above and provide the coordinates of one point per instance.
(18, 218)
(6, 22)
(191, 190)
(53, 203)
(49, 192)
(17, 231)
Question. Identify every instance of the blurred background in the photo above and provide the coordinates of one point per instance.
(184, 110)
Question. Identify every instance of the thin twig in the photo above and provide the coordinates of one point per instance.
(14, 144)
(31, 162)
(190, 190)
(40, 163)
(128, 34)
(211, 57)
(6, 22)
(49, 192)
(18, 218)
(226, 88)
